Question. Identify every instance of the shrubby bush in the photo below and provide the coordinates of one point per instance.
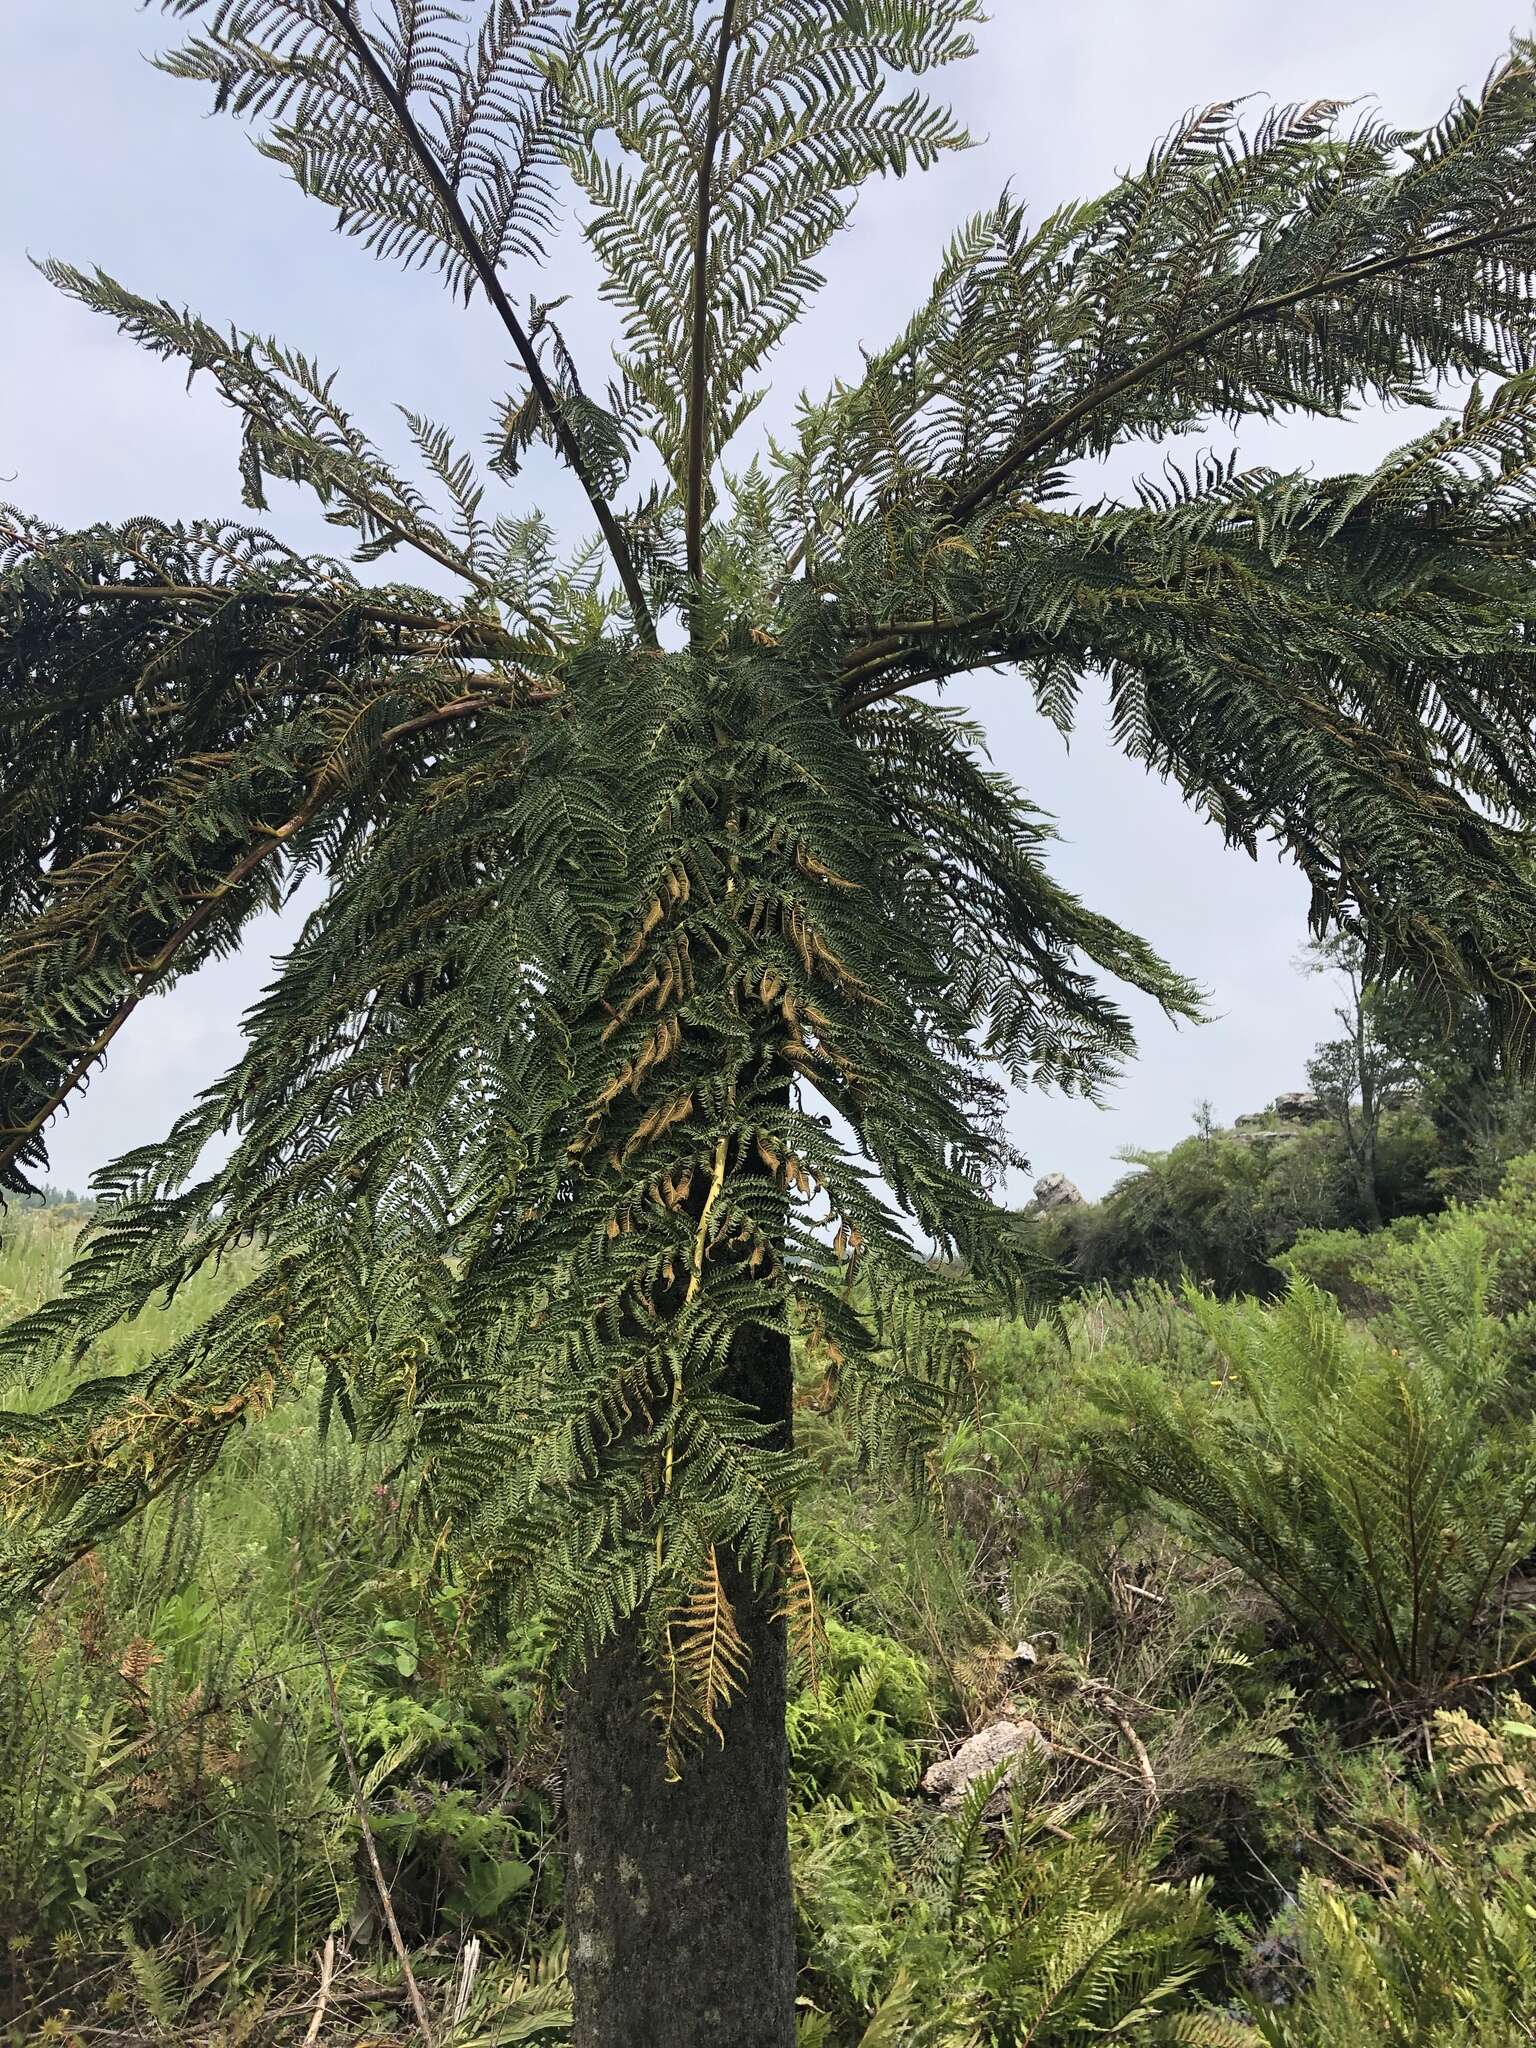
(177, 1832)
(1377, 1492)
(1445, 1956)
(1365, 1270)
(1023, 1930)
(1222, 1210)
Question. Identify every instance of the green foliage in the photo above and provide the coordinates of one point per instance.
(851, 1741)
(1215, 1209)
(476, 1872)
(1038, 1934)
(1378, 1495)
(174, 1812)
(1225, 1211)
(1446, 1959)
(1368, 1272)
(664, 935)
(1480, 1104)
(163, 1844)
(636, 968)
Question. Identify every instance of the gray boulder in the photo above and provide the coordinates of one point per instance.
(949, 1780)
(1055, 1191)
(1299, 1106)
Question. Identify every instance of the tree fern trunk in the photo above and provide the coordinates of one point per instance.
(678, 1905)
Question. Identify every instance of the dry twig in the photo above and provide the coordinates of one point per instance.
(361, 1804)
(327, 1966)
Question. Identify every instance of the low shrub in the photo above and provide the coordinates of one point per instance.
(1377, 1492)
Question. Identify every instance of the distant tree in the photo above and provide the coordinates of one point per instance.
(1214, 1209)
(1482, 1106)
(642, 857)
(1398, 1043)
(1357, 1075)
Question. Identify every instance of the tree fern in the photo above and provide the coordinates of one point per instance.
(675, 960)
(1380, 1496)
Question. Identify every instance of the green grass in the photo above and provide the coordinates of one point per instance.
(36, 1249)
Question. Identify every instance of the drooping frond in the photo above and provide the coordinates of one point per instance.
(192, 716)
(802, 1618)
(527, 1125)
(1343, 665)
(703, 1664)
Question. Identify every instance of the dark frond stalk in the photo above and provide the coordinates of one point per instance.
(698, 380)
(871, 686)
(1340, 282)
(893, 644)
(341, 12)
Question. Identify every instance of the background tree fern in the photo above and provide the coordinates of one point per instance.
(674, 956)
(1379, 1493)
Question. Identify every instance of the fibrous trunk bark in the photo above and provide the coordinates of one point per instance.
(678, 1908)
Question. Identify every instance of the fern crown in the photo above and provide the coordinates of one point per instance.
(678, 952)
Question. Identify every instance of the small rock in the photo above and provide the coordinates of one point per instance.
(1055, 1191)
(1273, 1970)
(949, 1780)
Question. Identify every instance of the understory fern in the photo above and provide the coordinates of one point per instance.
(1448, 1958)
(1027, 1932)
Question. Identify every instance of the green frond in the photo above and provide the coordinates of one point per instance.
(737, 137)
(1365, 1488)
(480, 96)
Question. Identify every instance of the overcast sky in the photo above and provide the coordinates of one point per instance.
(103, 160)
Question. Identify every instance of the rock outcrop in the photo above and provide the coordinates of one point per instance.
(1300, 1106)
(1055, 1191)
(1297, 1110)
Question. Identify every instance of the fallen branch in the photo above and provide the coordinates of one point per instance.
(469, 1970)
(1122, 1720)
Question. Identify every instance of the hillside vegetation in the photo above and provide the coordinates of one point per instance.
(1249, 1576)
